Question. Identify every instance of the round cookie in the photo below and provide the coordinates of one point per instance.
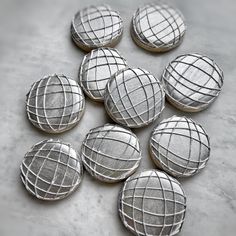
(51, 170)
(134, 97)
(152, 203)
(111, 153)
(180, 146)
(96, 26)
(158, 27)
(97, 68)
(55, 103)
(192, 82)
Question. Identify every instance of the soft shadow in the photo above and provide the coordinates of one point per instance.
(97, 182)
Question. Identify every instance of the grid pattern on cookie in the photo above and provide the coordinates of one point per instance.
(158, 26)
(134, 97)
(55, 103)
(191, 158)
(152, 203)
(193, 80)
(111, 153)
(97, 68)
(96, 26)
(51, 170)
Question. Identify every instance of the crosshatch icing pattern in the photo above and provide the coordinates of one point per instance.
(158, 27)
(96, 26)
(51, 170)
(55, 103)
(192, 82)
(180, 146)
(152, 203)
(111, 153)
(134, 97)
(97, 68)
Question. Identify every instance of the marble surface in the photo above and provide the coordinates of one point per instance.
(35, 41)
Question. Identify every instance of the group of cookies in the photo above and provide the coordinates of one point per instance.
(151, 202)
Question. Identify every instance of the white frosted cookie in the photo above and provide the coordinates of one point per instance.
(134, 97)
(97, 68)
(158, 27)
(111, 153)
(51, 170)
(180, 146)
(192, 82)
(152, 203)
(96, 26)
(55, 103)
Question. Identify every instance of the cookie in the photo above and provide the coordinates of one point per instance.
(192, 82)
(51, 170)
(111, 153)
(97, 68)
(152, 203)
(158, 27)
(55, 104)
(96, 26)
(134, 97)
(180, 146)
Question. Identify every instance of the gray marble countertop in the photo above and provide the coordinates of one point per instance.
(35, 41)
